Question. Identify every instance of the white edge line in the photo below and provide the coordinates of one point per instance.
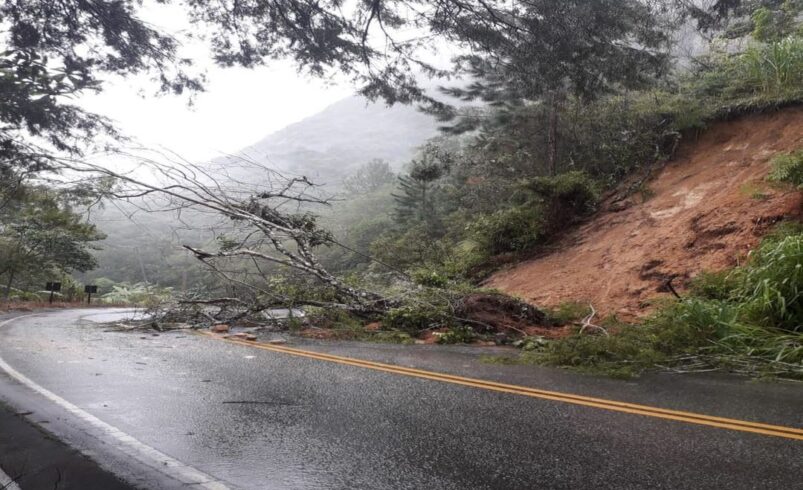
(140, 451)
(6, 483)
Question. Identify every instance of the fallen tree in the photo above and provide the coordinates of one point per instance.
(264, 225)
(266, 235)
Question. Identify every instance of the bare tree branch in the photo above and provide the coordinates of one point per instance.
(261, 231)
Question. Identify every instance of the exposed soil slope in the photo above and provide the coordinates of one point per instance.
(708, 208)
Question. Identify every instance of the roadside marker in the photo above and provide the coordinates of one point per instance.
(601, 403)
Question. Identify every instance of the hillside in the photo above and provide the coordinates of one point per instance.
(703, 212)
(329, 145)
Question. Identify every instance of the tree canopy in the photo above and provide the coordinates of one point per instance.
(369, 177)
(53, 51)
(40, 234)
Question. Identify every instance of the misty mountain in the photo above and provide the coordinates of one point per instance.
(324, 147)
(329, 145)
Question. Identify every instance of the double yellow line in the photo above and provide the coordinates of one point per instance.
(616, 406)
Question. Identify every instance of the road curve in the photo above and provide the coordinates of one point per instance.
(176, 409)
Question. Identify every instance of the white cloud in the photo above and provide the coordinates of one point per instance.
(239, 107)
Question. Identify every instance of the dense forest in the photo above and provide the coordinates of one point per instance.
(552, 108)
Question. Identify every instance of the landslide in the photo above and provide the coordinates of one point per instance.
(704, 211)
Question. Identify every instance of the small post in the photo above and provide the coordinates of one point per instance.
(52, 287)
(89, 289)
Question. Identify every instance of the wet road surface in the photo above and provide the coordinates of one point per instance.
(176, 409)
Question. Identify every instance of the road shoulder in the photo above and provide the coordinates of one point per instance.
(35, 459)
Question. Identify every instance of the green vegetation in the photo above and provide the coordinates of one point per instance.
(713, 285)
(143, 294)
(473, 201)
(754, 191)
(458, 335)
(513, 229)
(550, 205)
(42, 238)
(568, 312)
(342, 325)
(788, 168)
(414, 319)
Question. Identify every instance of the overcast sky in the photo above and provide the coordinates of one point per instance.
(239, 106)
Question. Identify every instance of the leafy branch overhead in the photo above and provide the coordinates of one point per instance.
(512, 50)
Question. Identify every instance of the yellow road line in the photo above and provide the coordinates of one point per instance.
(632, 408)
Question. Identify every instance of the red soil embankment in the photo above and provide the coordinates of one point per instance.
(708, 208)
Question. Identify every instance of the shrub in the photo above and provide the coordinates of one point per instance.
(573, 193)
(141, 293)
(688, 324)
(567, 312)
(467, 258)
(565, 198)
(20, 295)
(678, 330)
(788, 168)
(713, 285)
(413, 319)
(392, 337)
(749, 319)
(624, 354)
(332, 318)
(553, 204)
(769, 68)
(509, 230)
(410, 247)
(458, 335)
(531, 343)
(430, 278)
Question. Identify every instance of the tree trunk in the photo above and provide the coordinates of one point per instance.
(8, 284)
(424, 213)
(552, 136)
(141, 265)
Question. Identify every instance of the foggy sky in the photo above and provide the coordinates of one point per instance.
(239, 106)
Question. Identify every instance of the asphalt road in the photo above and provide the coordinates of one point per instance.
(180, 409)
